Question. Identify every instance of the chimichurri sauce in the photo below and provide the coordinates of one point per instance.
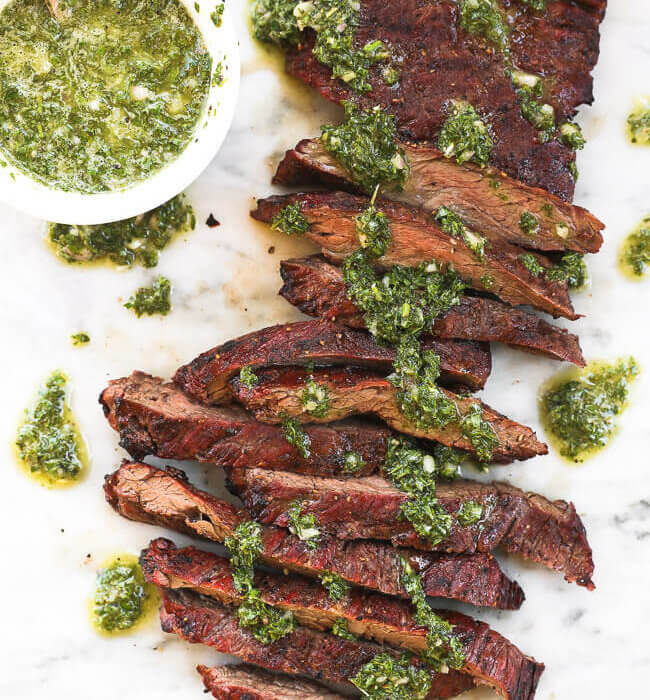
(122, 599)
(103, 100)
(634, 256)
(580, 408)
(49, 445)
(638, 122)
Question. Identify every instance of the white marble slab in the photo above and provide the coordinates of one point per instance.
(595, 645)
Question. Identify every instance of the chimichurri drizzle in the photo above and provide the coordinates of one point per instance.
(634, 255)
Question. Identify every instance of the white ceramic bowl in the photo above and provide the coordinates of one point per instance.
(24, 193)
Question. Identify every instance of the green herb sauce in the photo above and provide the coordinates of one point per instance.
(135, 240)
(122, 598)
(80, 339)
(487, 281)
(638, 122)
(315, 399)
(469, 513)
(634, 256)
(353, 463)
(290, 220)
(528, 223)
(217, 14)
(465, 136)
(247, 377)
(388, 678)
(571, 269)
(49, 444)
(295, 436)
(106, 98)
(571, 136)
(452, 224)
(480, 433)
(336, 587)
(444, 649)
(366, 146)
(532, 264)
(373, 230)
(483, 18)
(340, 629)
(266, 623)
(579, 408)
(303, 526)
(537, 5)
(152, 300)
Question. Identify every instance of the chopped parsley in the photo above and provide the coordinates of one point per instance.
(373, 230)
(528, 223)
(581, 413)
(247, 377)
(49, 442)
(487, 281)
(217, 14)
(480, 433)
(266, 623)
(540, 115)
(152, 300)
(120, 596)
(444, 649)
(353, 463)
(365, 145)
(571, 269)
(452, 224)
(388, 678)
(80, 339)
(638, 122)
(295, 436)
(337, 588)
(136, 240)
(469, 513)
(537, 5)
(340, 629)
(315, 399)
(635, 252)
(465, 136)
(303, 526)
(532, 264)
(245, 546)
(571, 136)
(290, 220)
(483, 18)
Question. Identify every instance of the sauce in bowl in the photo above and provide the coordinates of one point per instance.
(103, 100)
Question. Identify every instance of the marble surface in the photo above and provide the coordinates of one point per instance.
(595, 645)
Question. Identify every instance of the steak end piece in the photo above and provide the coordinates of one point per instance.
(318, 342)
(547, 532)
(244, 682)
(317, 655)
(146, 494)
(489, 657)
(316, 287)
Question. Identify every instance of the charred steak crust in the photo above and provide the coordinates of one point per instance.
(350, 391)
(144, 493)
(319, 342)
(487, 200)
(243, 682)
(547, 532)
(155, 418)
(318, 655)
(442, 62)
(316, 287)
(488, 656)
(416, 237)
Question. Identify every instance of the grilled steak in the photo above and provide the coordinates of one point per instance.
(279, 392)
(316, 287)
(441, 62)
(416, 237)
(489, 657)
(487, 200)
(319, 342)
(143, 493)
(317, 655)
(242, 682)
(155, 418)
(548, 532)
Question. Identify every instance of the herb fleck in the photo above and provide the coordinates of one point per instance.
(571, 136)
(295, 436)
(532, 264)
(480, 433)
(290, 220)
(571, 269)
(469, 513)
(80, 339)
(336, 587)
(247, 377)
(217, 14)
(340, 629)
(452, 224)
(388, 678)
(245, 546)
(638, 122)
(303, 526)
(635, 252)
(465, 136)
(315, 399)
(152, 300)
(528, 223)
(353, 463)
(120, 596)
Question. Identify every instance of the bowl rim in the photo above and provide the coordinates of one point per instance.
(21, 192)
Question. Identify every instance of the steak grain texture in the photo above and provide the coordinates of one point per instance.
(489, 657)
(487, 200)
(547, 532)
(243, 682)
(353, 392)
(441, 62)
(317, 655)
(415, 238)
(319, 342)
(146, 494)
(156, 418)
(316, 287)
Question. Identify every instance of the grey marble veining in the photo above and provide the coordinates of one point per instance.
(595, 645)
